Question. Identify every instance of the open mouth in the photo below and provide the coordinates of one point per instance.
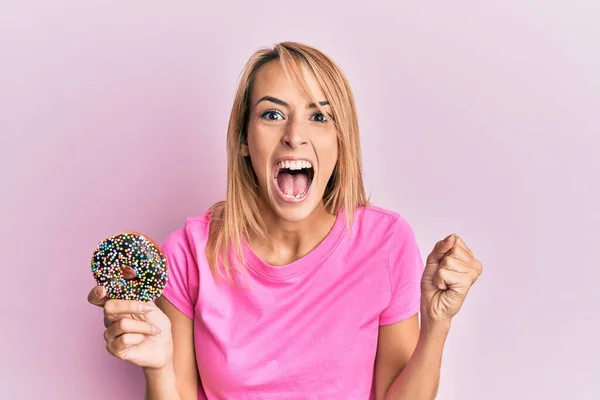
(293, 178)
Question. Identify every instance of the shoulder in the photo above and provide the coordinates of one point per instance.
(381, 222)
(379, 231)
(189, 237)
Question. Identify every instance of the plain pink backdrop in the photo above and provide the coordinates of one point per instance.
(480, 118)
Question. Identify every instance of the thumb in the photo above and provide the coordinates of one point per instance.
(440, 249)
(97, 296)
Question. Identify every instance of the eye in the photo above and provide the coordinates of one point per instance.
(272, 115)
(319, 117)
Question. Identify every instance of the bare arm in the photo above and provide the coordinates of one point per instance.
(179, 379)
(408, 361)
(395, 346)
(450, 271)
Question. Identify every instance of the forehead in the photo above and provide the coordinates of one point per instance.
(271, 80)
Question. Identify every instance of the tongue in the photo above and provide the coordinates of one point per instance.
(292, 184)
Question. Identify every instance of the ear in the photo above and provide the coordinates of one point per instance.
(244, 149)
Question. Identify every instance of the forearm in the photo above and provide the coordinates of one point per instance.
(419, 380)
(161, 384)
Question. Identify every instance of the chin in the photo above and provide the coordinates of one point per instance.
(295, 213)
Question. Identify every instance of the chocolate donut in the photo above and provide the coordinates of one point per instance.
(130, 266)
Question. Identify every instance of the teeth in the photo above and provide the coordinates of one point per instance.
(294, 165)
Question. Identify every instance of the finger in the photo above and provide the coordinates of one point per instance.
(440, 278)
(120, 346)
(478, 267)
(462, 244)
(129, 273)
(128, 325)
(454, 264)
(112, 318)
(114, 306)
(446, 279)
(469, 270)
(115, 310)
(440, 249)
(97, 296)
(461, 254)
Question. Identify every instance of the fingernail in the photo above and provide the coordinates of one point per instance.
(155, 330)
(98, 291)
(144, 307)
(450, 236)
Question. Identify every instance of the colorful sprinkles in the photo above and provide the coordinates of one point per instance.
(130, 249)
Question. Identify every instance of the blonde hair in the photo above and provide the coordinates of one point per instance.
(238, 216)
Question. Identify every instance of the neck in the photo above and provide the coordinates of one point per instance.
(289, 241)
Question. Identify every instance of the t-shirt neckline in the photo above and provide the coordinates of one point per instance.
(284, 272)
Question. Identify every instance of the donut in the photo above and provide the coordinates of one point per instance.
(130, 266)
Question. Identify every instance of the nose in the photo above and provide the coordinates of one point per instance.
(295, 135)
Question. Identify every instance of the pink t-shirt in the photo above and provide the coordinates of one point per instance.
(307, 330)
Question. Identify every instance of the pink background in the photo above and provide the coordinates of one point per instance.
(477, 117)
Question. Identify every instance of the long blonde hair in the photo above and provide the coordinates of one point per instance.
(238, 216)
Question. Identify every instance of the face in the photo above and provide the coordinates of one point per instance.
(292, 145)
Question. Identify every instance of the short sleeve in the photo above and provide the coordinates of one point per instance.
(405, 270)
(183, 278)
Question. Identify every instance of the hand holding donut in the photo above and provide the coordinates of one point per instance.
(130, 271)
(450, 271)
(138, 332)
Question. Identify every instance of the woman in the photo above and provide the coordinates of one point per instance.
(294, 287)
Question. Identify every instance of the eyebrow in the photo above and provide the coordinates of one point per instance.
(284, 104)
